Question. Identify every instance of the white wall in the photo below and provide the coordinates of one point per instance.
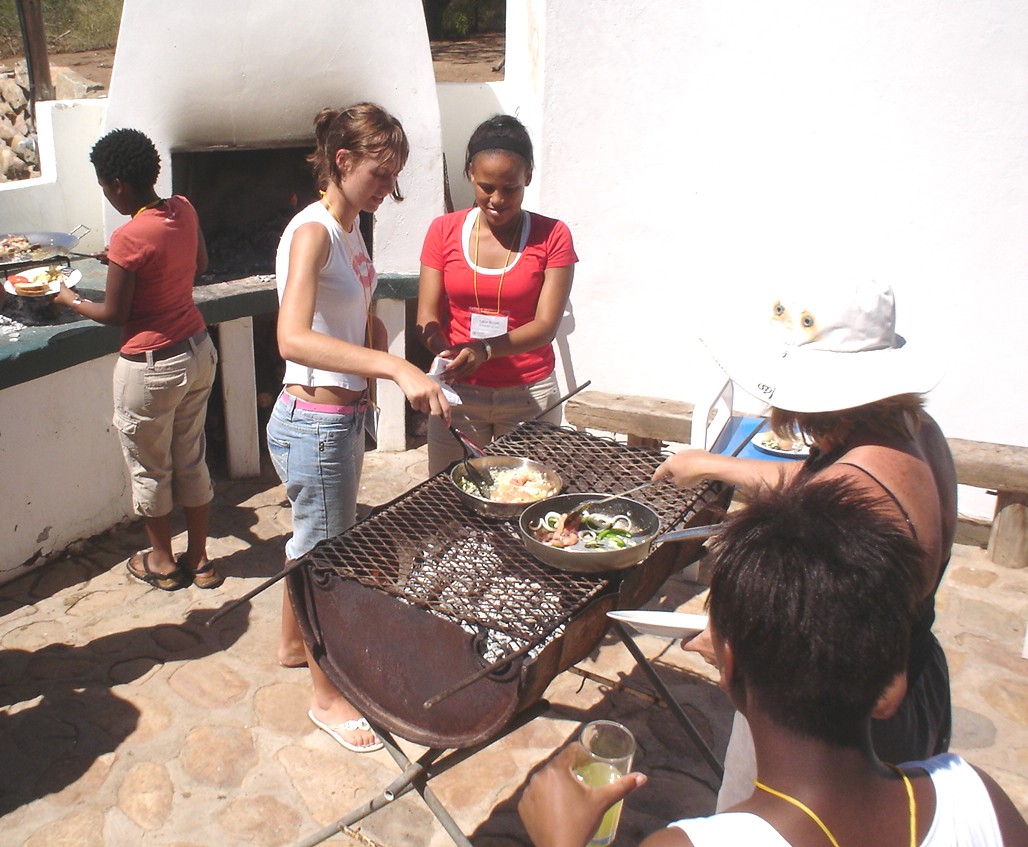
(63, 474)
(701, 153)
(65, 194)
(253, 73)
(715, 150)
(462, 107)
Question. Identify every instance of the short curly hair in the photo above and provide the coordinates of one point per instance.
(814, 585)
(128, 155)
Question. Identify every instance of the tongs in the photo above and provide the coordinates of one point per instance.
(482, 479)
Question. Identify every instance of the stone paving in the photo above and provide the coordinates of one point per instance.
(125, 720)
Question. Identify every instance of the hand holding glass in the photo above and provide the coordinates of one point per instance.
(606, 756)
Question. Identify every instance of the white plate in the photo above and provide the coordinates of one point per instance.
(667, 624)
(71, 279)
(767, 443)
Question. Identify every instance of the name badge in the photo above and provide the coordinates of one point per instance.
(488, 325)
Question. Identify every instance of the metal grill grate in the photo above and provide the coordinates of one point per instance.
(427, 549)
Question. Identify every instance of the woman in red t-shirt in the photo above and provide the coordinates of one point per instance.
(163, 377)
(495, 281)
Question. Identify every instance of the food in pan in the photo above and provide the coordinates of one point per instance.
(514, 485)
(12, 246)
(594, 531)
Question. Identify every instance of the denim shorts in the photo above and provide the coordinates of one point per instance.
(318, 456)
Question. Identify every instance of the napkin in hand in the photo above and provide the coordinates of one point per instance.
(438, 366)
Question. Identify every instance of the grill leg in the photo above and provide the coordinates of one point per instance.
(415, 777)
(687, 724)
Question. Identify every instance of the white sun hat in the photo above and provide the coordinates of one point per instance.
(828, 348)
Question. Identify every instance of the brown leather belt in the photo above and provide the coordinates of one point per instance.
(176, 349)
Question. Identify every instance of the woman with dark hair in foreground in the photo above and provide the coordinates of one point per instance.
(811, 595)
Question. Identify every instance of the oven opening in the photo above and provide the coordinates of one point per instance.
(245, 198)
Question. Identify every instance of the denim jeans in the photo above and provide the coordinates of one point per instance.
(318, 456)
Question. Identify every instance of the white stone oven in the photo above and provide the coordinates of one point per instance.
(228, 92)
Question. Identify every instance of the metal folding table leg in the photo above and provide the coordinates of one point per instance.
(415, 777)
(690, 728)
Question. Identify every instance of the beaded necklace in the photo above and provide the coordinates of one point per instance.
(911, 805)
(506, 262)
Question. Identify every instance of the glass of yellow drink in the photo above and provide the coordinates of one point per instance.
(606, 755)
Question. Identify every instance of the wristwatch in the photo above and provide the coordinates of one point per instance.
(488, 348)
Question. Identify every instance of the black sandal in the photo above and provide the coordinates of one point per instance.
(205, 577)
(172, 581)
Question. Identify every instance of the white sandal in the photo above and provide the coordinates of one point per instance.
(360, 725)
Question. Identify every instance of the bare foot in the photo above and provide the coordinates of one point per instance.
(292, 657)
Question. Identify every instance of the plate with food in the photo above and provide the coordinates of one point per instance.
(41, 281)
(775, 445)
(665, 624)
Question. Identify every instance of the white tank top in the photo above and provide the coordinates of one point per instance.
(964, 816)
(345, 287)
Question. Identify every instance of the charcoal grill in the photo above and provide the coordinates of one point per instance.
(449, 626)
(452, 630)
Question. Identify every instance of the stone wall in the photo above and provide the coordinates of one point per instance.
(19, 149)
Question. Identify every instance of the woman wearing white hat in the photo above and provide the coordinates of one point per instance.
(836, 373)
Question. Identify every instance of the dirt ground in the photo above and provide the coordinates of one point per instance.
(478, 59)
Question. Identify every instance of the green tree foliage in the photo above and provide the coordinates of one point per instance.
(460, 18)
(71, 25)
(76, 25)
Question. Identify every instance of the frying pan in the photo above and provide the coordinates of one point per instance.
(580, 559)
(491, 464)
(487, 464)
(48, 244)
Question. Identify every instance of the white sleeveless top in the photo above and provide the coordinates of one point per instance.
(964, 816)
(345, 287)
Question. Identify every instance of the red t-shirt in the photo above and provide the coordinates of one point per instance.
(547, 244)
(159, 247)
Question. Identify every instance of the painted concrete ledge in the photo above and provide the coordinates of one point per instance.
(43, 350)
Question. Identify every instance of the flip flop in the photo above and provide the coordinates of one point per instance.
(172, 581)
(205, 577)
(334, 730)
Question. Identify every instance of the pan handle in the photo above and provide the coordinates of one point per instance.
(85, 231)
(235, 604)
(563, 399)
(705, 531)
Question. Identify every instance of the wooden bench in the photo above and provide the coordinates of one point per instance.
(651, 421)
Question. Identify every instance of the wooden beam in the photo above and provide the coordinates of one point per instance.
(33, 36)
(650, 418)
(649, 421)
(1003, 467)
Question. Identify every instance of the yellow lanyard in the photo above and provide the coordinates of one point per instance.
(353, 256)
(911, 805)
(503, 273)
(153, 204)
